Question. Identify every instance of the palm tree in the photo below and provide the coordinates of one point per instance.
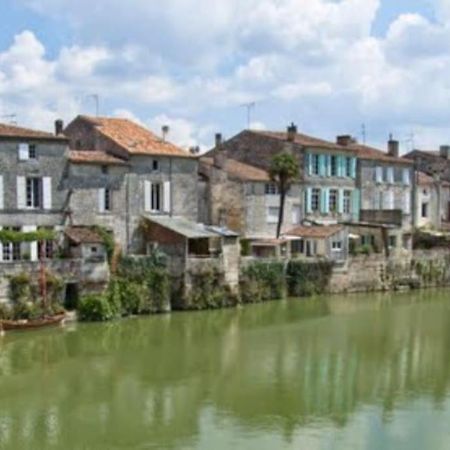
(283, 171)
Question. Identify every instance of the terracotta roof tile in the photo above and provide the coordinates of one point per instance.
(241, 171)
(26, 133)
(366, 152)
(93, 157)
(134, 138)
(317, 232)
(306, 141)
(83, 235)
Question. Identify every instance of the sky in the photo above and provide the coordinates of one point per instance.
(329, 66)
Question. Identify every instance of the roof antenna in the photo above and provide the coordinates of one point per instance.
(12, 118)
(364, 133)
(165, 131)
(250, 106)
(96, 98)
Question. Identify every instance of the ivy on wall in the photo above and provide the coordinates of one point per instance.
(21, 236)
(308, 278)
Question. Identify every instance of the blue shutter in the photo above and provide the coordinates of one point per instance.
(341, 201)
(353, 165)
(328, 165)
(322, 163)
(308, 163)
(356, 204)
(308, 195)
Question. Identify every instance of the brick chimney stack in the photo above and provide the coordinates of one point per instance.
(59, 127)
(345, 140)
(393, 147)
(444, 151)
(291, 132)
(220, 154)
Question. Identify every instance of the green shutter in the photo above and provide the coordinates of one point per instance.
(353, 174)
(322, 165)
(328, 165)
(341, 201)
(355, 204)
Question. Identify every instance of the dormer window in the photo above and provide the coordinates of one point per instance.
(27, 152)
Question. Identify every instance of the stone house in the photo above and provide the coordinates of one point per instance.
(32, 195)
(326, 190)
(159, 178)
(386, 183)
(436, 165)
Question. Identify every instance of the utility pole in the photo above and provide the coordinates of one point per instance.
(249, 106)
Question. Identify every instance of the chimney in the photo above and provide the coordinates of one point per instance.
(345, 140)
(393, 147)
(444, 151)
(220, 154)
(195, 150)
(291, 132)
(59, 127)
(165, 131)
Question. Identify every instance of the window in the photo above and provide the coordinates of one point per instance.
(297, 246)
(347, 202)
(155, 165)
(33, 193)
(296, 213)
(392, 241)
(94, 250)
(32, 152)
(334, 165)
(315, 200)
(108, 200)
(424, 210)
(406, 177)
(27, 151)
(315, 164)
(271, 189)
(333, 200)
(336, 246)
(272, 214)
(156, 195)
(104, 170)
(389, 174)
(11, 250)
(45, 249)
(379, 174)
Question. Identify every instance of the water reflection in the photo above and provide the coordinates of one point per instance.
(207, 379)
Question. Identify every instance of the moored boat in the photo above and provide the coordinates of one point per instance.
(10, 325)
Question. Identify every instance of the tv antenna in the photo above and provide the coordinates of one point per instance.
(364, 133)
(250, 107)
(12, 118)
(96, 99)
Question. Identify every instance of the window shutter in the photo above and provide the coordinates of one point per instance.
(406, 177)
(356, 199)
(21, 194)
(341, 201)
(101, 200)
(407, 203)
(47, 192)
(23, 152)
(353, 168)
(308, 195)
(389, 200)
(390, 174)
(322, 164)
(325, 207)
(34, 244)
(167, 197)
(328, 164)
(2, 193)
(309, 163)
(147, 196)
(379, 174)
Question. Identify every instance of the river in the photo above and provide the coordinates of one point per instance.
(369, 371)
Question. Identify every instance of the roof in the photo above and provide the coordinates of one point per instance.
(189, 229)
(317, 232)
(424, 180)
(267, 242)
(93, 157)
(241, 171)
(305, 140)
(12, 131)
(371, 153)
(83, 235)
(133, 138)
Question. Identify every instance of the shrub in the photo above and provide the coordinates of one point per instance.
(308, 278)
(245, 247)
(19, 287)
(5, 312)
(26, 311)
(95, 308)
(264, 281)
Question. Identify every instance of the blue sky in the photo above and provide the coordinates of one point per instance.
(327, 65)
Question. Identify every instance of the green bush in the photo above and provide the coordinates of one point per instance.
(245, 247)
(26, 311)
(5, 312)
(308, 278)
(263, 281)
(95, 308)
(20, 288)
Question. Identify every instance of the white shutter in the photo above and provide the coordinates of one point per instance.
(166, 197)
(390, 174)
(21, 194)
(2, 193)
(34, 244)
(379, 174)
(389, 199)
(147, 196)
(407, 203)
(406, 177)
(1, 247)
(101, 200)
(24, 152)
(47, 192)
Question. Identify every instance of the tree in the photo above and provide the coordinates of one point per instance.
(283, 172)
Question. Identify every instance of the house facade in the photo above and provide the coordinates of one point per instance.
(160, 178)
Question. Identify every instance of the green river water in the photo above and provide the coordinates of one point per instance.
(355, 372)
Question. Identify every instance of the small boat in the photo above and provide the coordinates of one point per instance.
(9, 325)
